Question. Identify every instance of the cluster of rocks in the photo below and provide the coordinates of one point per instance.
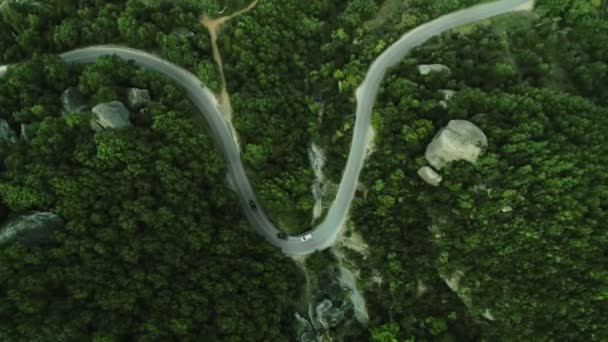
(459, 140)
(109, 115)
(333, 305)
(33, 229)
(9, 136)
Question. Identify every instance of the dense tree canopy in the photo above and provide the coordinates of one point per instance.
(525, 225)
(154, 247)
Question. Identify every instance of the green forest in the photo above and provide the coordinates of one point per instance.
(153, 245)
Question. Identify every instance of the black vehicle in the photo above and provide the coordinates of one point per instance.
(252, 205)
(282, 235)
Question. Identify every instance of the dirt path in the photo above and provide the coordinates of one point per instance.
(213, 25)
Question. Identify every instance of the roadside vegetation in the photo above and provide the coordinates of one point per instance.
(525, 225)
(155, 248)
(154, 245)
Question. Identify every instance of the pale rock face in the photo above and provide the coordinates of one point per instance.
(347, 281)
(73, 101)
(425, 69)
(459, 140)
(137, 98)
(329, 315)
(27, 132)
(429, 175)
(447, 96)
(6, 132)
(487, 314)
(447, 93)
(112, 115)
(34, 228)
(305, 330)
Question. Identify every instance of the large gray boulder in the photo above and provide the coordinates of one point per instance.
(73, 101)
(112, 115)
(33, 228)
(425, 69)
(459, 140)
(6, 132)
(137, 98)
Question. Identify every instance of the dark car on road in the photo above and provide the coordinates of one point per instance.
(252, 205)
(282, 235)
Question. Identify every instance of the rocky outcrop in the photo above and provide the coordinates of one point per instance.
(459, 140)
(33, 228)
(327, 314)
(425, 69)
(429, 175)
(348, 283)
(7, 134)
(447, 96)
(110, 115)
(305, 332)
(27, 132)
(73, 101)
(137, 98)
(337, 304)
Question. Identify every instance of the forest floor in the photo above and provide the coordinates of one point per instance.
(213, 25)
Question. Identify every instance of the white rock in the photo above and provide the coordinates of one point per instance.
(447, 94)
(487, 314)
(429, 175)
(426, 69)
(459, 140)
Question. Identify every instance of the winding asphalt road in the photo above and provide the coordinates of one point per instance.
(326, 232)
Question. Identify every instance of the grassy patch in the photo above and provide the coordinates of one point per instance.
(388, 9)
